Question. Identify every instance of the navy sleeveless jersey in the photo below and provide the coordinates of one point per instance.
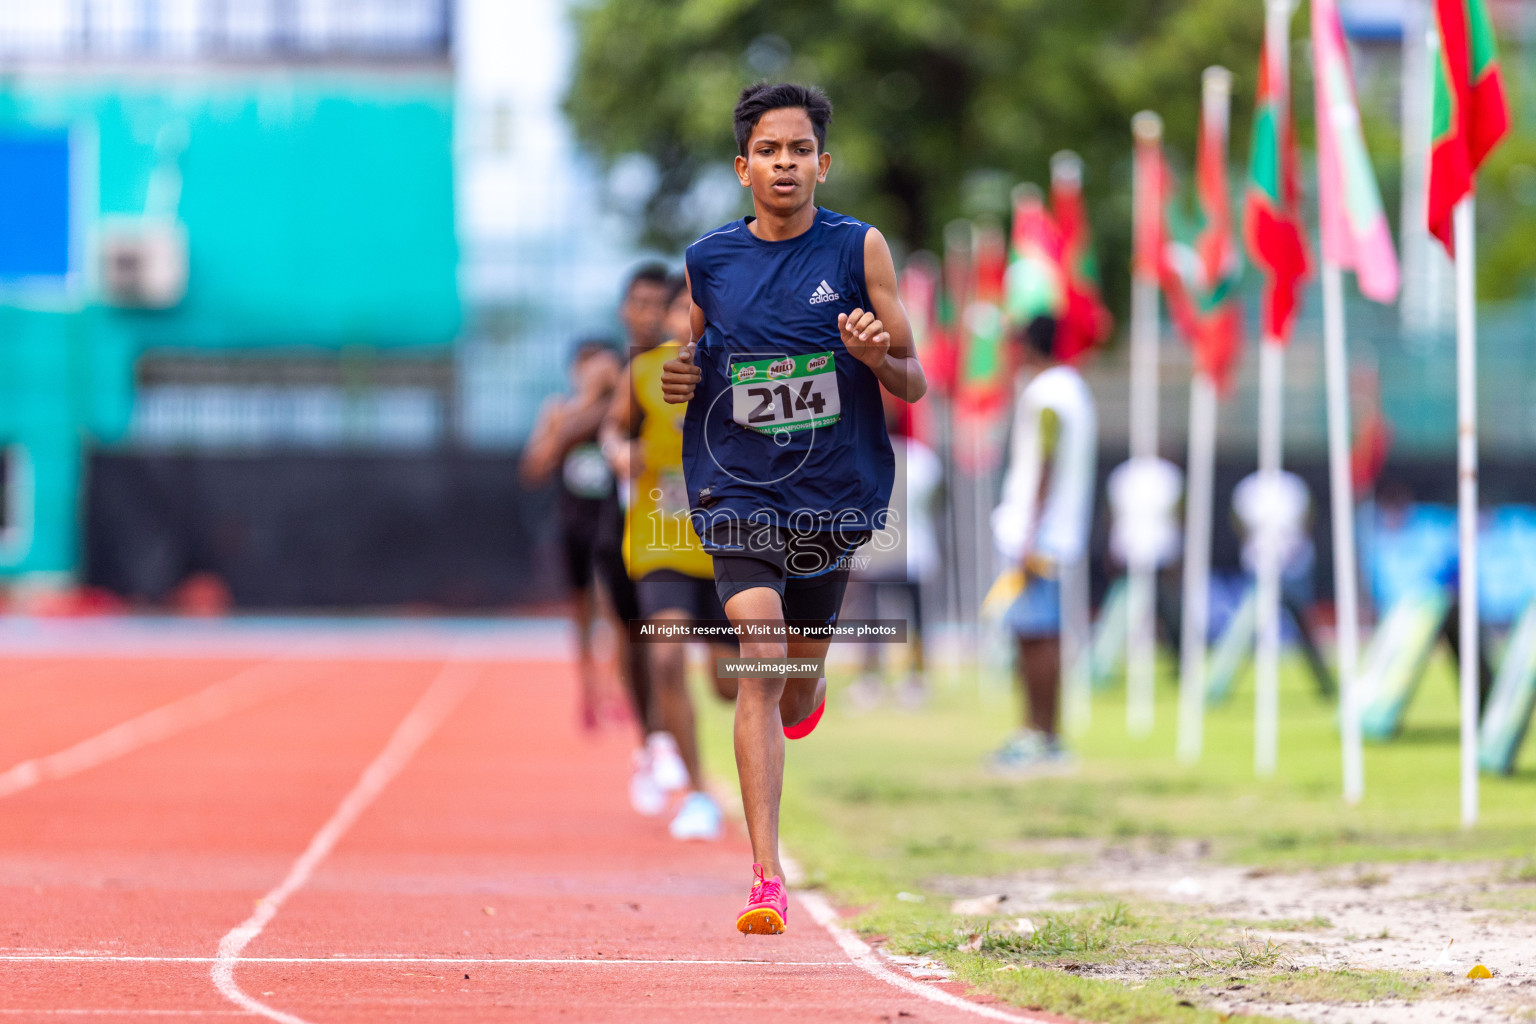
(775, 301)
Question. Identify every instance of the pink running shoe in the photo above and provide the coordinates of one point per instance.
(800, 730)
(767, 909)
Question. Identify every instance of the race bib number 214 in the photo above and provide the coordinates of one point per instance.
(788, 394)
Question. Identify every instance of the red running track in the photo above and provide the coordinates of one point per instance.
(470, 857)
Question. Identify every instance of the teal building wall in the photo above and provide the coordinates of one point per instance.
(319, 210)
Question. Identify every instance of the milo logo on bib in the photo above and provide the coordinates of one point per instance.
(796, 393)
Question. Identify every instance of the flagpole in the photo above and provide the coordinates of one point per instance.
(1466, 466)
(1266, 711)
(1141, 635)
(1266, 673)
(988, 263)
(981, 532)
(1355, 236)
(1197, 566)
(1077, 630)
(1346, 599)
(1215, 101)
(955, 275)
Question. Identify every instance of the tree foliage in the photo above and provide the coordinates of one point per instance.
(941, 105)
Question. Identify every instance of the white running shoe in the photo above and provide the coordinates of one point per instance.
(645, 796)
(698, 818)
(1029, 753)
(667, 766)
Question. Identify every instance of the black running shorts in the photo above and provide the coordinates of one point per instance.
(578, 537)
(608, 560)
(809, 570)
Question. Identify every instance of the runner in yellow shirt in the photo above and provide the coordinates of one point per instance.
(674, 577)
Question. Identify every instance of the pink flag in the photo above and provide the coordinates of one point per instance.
(1355, 231)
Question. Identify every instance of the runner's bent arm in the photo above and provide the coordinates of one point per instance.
(584, 415)
(542, 452)
(678, 375)
(881, 338)
(565, 423)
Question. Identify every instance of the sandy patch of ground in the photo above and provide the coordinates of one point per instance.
(1376, 917)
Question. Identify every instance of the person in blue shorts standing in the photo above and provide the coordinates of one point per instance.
(796, 327)
(1041, 526)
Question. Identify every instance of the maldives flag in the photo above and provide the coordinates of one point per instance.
(1470, 113)
(1150, 189)
(983, 379)
(1085, 320)
(1354, 226)
(919, 290)
(1035, 284)
(1201, 268)
(1271, 212)
(984, 371)
(943, 349)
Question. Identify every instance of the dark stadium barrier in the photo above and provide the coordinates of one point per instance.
(289, 531)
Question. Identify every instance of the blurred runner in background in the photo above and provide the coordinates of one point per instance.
(657, 769)
(565, 438)
(1041, 525)
(674, 578)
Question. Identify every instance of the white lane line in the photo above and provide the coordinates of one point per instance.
(864, 956)
(103, 1012)
(444, 960)
(435, 705)
(243, 690)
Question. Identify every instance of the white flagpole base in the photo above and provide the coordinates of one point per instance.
(1077, 627)
(1141, 651)
(1266, 672)
(1141, 635)
(1197, 567)
(1346, 599)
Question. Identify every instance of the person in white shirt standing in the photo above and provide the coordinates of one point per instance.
(1041, 526)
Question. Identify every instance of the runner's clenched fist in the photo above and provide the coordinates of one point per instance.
(679, 376)
(865, 337)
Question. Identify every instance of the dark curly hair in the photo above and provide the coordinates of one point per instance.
(757, 100)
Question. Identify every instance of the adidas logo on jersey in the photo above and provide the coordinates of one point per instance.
(824, 293)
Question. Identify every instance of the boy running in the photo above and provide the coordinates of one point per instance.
(565, 438)
(656, 768)
(796, 326)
